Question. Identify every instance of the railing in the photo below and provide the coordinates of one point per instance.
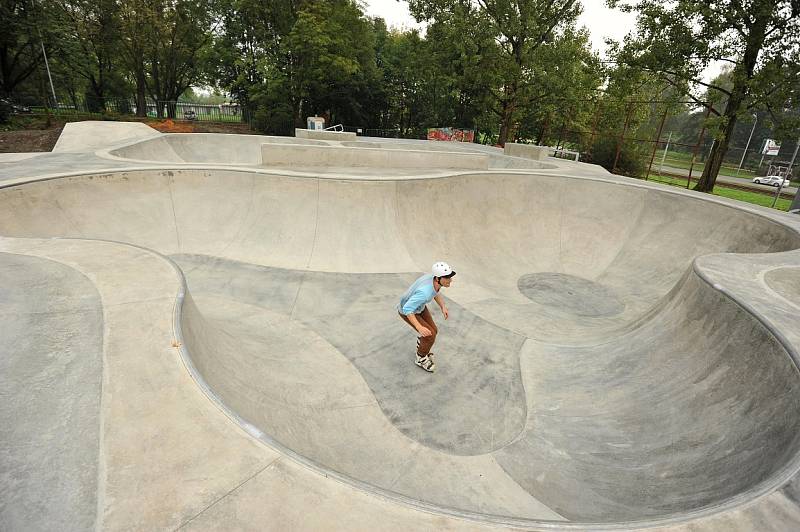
(562, 153)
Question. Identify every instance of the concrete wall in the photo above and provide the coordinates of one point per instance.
(293, 155)
(323, 135)
(528, 151)
(205, 148)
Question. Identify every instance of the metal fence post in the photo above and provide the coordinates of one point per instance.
(621, 138)
(655, 144)
(590, 148)
(697, 146)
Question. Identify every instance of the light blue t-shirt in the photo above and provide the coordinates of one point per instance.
(417, 296)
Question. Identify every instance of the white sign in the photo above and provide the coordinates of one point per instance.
(771, 148)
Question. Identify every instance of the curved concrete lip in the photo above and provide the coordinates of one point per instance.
(245, 150)
(728, 275)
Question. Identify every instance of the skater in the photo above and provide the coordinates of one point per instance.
(413, 310)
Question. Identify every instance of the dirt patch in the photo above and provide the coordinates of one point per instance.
(33, 133)
(29, 140)
(185, 126)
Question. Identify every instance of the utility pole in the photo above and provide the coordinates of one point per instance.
(794, 156)
(785, 177)
(747, 145)
(664, 156)
(47, 66)
(763, 152)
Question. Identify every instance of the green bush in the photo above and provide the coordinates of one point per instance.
(275, 120)
(633, 156)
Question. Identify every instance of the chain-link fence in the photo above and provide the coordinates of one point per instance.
(230, 112)
(652, 138)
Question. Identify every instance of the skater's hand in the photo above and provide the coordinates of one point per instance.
(424, 331)
(444, 312)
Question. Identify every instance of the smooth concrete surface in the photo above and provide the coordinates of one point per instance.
(290, 263)
(16, 157)
(277, 390)
(204, 148)
(51, 325)
(341, 156)
(323, 135)
(91, 135)
(246, 150)
(528, 151)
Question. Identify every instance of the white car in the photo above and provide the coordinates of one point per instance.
(773, 180)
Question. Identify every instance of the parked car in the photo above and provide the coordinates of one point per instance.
(772, 180)
(190, 115)
(15, 108)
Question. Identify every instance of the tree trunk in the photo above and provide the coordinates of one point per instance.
(508, 106)
(505, 123)
(141, 93)
(720, 147)
(742, 74)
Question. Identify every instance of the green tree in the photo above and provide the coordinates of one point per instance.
(678, 40)
(289, 59)
(246, 52)
(136, 19)
(27, 25)
(405, 78)
(522, 31)
(166, 47)
(331, 51)
(90, 47)
(181, 35)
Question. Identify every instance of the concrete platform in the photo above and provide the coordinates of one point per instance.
(618, 355)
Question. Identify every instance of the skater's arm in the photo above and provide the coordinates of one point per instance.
(440, 301)
(423, 331)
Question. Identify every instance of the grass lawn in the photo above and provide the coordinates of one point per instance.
(684, 160)
(765, 200)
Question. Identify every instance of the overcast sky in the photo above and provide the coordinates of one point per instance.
(601, 21)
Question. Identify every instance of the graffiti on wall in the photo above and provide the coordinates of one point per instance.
(451, 134)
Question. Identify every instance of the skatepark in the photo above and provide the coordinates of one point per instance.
(203, 336)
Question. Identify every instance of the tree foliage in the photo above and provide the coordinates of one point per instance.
(27, 26)
(511, 69)
(678, 40)
(522, 45)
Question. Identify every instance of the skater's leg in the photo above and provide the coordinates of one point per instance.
(426, 342)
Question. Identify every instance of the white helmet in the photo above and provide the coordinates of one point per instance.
(442, 269)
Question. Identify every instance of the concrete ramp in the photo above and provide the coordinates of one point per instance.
(344, 156)
(608, 358)
(93, 135)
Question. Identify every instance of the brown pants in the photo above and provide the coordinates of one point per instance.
(424, 343)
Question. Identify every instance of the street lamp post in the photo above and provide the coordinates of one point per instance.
(787, 176)
(49, 77)
(747, 145)
(46, 64)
